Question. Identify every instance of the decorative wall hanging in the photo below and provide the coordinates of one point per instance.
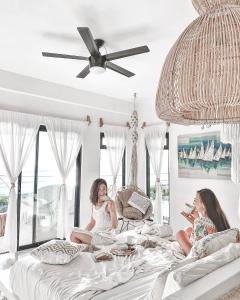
(199, 82)
(134, 138)
(204, 156)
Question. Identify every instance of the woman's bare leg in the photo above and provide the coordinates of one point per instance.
(188, 231)
(80, 238)
(183, 239)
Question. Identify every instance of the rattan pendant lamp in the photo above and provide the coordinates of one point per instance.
(200, 79)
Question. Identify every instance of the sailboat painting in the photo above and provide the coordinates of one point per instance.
(204, 156)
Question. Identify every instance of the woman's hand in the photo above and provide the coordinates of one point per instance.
(189, 217)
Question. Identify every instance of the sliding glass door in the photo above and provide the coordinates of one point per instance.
(39, 192)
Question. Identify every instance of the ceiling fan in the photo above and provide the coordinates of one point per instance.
(97, 63)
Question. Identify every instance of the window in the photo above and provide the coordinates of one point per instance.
(105, 169)
(164, 181)
(38, 194)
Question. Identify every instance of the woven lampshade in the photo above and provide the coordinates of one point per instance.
(200, 79)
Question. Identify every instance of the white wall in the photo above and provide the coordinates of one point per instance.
(183, 189)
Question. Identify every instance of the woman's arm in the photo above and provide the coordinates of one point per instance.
(112, 210)
(91, 224)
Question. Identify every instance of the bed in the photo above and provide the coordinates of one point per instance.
(123, 278)
(83, 278)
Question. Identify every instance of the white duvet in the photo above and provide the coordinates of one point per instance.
(85, 279)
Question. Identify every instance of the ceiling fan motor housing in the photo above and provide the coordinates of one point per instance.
(97, 61)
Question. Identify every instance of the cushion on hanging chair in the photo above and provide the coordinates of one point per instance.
(132, 213)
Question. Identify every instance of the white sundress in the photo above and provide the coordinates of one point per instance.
(103, 234)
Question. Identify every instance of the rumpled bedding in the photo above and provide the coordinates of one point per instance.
(83, 278)
(161, 230)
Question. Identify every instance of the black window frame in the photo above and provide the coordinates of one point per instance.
(166, 147)
(76, 200)
(103, 146)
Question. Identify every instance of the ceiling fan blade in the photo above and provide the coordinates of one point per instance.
(89, 40)
(128, 52)
(56, 55)
(84, 72)
(119, 69)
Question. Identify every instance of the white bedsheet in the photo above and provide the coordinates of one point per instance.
(84, 279)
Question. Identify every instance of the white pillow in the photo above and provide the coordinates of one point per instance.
(161, 230)
(139, 202)
(57, 252)
(159, 284)
(213, 242)
(193, 271)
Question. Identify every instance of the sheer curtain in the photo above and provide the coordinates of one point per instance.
(17, 134)
(116, 138)
(66, 137)
(231, 134)
(155, 139)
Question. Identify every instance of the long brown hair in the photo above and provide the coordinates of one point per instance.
(214, 210)
(94, 189)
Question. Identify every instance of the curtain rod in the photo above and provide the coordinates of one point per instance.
(101, 123)
(144, 124)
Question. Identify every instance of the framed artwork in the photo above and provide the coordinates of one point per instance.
(204, 156)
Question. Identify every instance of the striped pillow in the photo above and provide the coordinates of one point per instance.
(57, 252)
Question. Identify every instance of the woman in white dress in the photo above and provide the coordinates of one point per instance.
(103, 218)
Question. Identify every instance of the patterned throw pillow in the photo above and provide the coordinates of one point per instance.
(57, 252)
(213, 242)
(140, 202)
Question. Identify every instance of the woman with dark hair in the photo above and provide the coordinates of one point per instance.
(103, 218)
(207, 217)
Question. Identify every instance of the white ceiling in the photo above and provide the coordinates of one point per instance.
(28, 27)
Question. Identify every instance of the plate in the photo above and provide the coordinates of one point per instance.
(119, 252)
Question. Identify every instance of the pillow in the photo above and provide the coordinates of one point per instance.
(57, 252)
(140, 202)
(159, 283)
(161, 230)
(193, 271)
(213, 242)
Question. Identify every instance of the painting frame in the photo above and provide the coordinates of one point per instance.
(203, 156)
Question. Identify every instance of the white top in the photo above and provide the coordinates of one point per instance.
(102, 218)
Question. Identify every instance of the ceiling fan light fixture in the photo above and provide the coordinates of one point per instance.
(97, 70)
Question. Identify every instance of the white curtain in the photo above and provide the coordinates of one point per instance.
(231, 134)
(17, 134)
(66, 138)
(155, 139)
(116, 138)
